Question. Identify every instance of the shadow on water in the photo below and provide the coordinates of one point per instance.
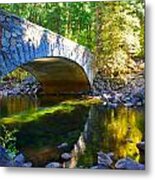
(86, 129)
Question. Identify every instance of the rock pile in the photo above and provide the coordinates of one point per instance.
(114, 92)
(105, 161)
(28, 86)
(7, 161)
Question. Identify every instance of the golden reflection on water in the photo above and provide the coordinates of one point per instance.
(123, 132)
(12, 105)
(113, 130)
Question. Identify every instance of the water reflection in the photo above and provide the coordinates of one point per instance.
(13, 105)
(86, 129)
(113, 130)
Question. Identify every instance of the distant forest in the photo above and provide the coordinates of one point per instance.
(113, 31)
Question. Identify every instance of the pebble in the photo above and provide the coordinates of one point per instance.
(28, 164)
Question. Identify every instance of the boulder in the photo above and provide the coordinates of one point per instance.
(129, 164)
(7, 161)
(20, 158)
(66, 156)
(4, 157)
(104, 159)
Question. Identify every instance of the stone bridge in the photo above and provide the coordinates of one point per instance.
(61, 65)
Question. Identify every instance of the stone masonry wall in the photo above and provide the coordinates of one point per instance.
(22, 41)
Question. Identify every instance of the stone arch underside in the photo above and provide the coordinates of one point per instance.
(22, 42)
(58, 75)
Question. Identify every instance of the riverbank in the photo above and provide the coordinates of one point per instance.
(104, 161)
(114, 92)
(28, 86)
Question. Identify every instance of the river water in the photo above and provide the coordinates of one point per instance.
(86, 129)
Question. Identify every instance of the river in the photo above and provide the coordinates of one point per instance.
(85, 129)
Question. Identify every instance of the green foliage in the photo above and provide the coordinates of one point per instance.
(72, 20)
(121, 36)
(114, 31)
(8, 140)
(17, 75)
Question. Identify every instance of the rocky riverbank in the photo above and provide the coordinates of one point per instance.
(104, 161)
(112, 91)
(7, 161)
(115, 92)
(28, 86)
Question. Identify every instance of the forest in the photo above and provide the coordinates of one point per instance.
(113, 31)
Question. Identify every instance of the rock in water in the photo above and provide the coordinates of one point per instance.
(4, 158)
(53, 165)
(129, 164)
(19, 158)
(104, 159)
(66, 156)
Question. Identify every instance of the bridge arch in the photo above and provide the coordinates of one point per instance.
(23, 43)
(59, 75)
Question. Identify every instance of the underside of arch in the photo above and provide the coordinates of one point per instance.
(59, 75)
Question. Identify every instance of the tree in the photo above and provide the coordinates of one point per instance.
(113, 31)
(121, 39)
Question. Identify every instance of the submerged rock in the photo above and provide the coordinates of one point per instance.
(129, 164)
(53, 165)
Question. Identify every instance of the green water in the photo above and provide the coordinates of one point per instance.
(45, 122)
